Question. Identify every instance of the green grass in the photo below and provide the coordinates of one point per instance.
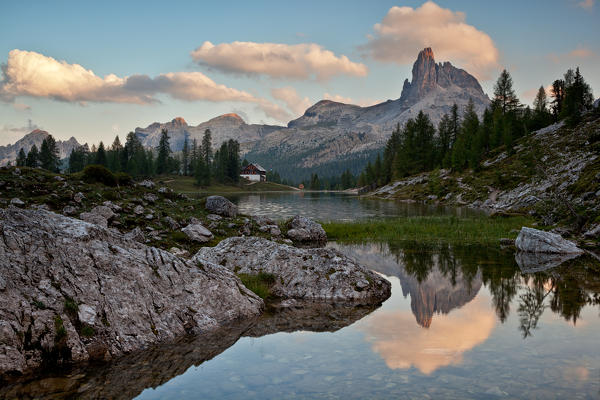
(260, 284)
(187, 184)
(430, 229)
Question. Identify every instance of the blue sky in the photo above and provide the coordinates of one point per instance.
(535, 40)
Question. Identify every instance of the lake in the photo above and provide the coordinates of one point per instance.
(462, 323)
(335, 206)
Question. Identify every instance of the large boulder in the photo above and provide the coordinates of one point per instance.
(74, 291)
(535, 241)
(221, 206)
(197, 233)
(305, 230)
(308, 274)
(99, 215)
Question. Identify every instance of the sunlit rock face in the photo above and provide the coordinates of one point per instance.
(403, 344)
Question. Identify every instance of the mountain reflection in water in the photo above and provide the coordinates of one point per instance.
(462, 322)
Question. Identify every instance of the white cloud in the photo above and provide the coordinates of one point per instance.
(28, 73)
(587, 4)
(292, 100)
(348, 100)
(404, 31)
(299, 61)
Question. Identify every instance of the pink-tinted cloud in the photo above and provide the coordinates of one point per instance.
(586, 4)
(349, 100)
(299, 61)
(577, 54)
(404, 31)
(292, 99)
(31, 74)
(403, 344)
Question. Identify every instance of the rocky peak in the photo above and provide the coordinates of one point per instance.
(427, 76)
(179, 121)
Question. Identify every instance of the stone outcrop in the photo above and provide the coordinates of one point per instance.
(536, 262)
(75, 291)
(305, 230)
(535, 241)
(198, 233)
(221, 206)
(309, 274)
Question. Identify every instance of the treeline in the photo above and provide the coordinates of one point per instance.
(196, 159)
(47, 157)
(462, 141)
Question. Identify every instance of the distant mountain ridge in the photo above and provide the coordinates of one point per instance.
(329, 137)
(8, 153)
(224, 127)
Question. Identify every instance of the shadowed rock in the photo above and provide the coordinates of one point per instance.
(73, 291)
(126, 377)
(297, 315)
(221, 206)
(536, 262)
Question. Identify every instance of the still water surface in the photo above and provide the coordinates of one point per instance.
(462, 323)
(334, 206)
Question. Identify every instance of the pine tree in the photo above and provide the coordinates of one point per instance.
(391, 147)
(115, 158)
(32, 160)
(444, 135)
(21, 158)
(206, 151)
(558, 92)
(101, 155)
(233, 161)
(49, 156)
(77, 159)
(578, 97)
(541, 101)
(194, 157)
(164, 150)
(185, 156)
(504, 95)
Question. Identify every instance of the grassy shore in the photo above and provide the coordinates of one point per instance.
(187, 184)
(429, 229)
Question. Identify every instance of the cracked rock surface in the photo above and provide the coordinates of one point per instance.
(74, 291)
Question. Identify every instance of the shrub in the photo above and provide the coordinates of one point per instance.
(87, 331)
(123, 179)
(99, 174)
(260, 284)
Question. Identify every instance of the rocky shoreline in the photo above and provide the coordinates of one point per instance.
(78, 291)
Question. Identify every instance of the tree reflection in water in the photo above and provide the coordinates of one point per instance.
(565, 290)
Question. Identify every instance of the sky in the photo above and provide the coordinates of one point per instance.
(93, 70)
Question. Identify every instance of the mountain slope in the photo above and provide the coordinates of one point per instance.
(8, 153)
(330, 132)
(224, 127)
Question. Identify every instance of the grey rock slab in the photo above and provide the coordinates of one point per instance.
(221, 206)
(147, 184)
(78, 197)
(593, 232)
(309, 274)
(17, 202)
(137, 295)
(303, 229)
(535, 241)
(198, 233)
